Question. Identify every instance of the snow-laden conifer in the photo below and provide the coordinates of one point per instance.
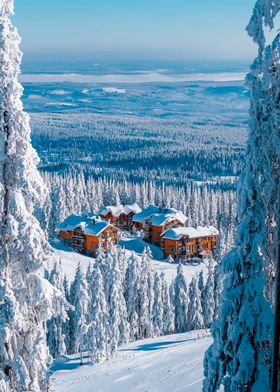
(180, 301)
(98, 336)
(168, 311)
(132, 299)
(201, 281)
(119, 328)
(240, 357)
(25, 298)
(158, 306)
(57, 326)
(145, 296)
(208, 304)
(195, 313)
(79, 299)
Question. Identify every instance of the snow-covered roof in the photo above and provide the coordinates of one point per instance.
(71, 222)
(161, 219)
(96, 228)
(159, 215)
(116, 211)
(132, 208)
(190, 232)
(146, 213)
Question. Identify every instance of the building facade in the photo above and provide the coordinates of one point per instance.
(86, 236)
(154, 221)
(187, 242)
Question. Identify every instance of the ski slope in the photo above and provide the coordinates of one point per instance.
(169, 363)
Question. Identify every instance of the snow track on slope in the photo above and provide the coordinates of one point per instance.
(150, 365)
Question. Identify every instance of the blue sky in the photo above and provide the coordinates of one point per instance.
(135, 29)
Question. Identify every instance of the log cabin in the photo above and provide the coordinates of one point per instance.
(120, 216)
(86, 235)
(183, 243)
(156, 220)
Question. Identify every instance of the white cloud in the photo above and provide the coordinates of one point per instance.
(113, 90)
(152, 77)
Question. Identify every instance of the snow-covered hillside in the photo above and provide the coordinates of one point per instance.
(151, 365)
(70, 260)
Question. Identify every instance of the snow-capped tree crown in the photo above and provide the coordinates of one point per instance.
(6, 8)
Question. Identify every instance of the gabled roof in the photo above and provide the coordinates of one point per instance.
(190, 232)
(71, 223)
(159, 216)
(132, 208)
(95, 229)
(92, 226)
(146, 213)
(161, 219)
(116, 211)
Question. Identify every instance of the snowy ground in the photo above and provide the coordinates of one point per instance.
(70, 259)
(162, 364)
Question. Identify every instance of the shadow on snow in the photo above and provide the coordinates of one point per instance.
(157, 346)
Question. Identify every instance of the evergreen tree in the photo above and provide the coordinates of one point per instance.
(240, 357)
(158, 306)
(208, 303)
(132, 300)
(119, 328)
(168, 311)
(201, 281)
(180, 301)
(97, 340)
(145, 294)
(56, 326)
(79, 300)
(195, 314)
(24, 303)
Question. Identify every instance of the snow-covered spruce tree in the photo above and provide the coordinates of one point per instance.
(157, 315)
(168, 311)
(208, 304)
(79, 299)
(240, 357)
(24, 303)
(180, 301)
(131, 295)
(57, 326)
(145, 296)
(97, 340)
(201, 281)
(218, 286)
(119, 328)
(195, 314)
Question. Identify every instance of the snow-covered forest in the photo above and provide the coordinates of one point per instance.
(173, 150)
(121, 299)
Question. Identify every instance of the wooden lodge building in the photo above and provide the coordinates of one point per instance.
(154, 221)
(187, 242)
(164, 227)
(85, 235)
(120, 216)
